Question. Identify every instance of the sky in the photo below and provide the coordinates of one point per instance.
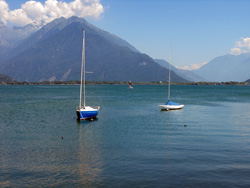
(197, 31)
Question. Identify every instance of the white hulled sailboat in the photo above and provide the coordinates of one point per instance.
(170, 105)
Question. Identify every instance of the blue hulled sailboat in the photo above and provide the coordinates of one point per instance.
(85, 112)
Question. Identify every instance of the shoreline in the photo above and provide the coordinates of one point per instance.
(121, 83)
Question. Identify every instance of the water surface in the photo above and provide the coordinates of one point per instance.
(131, 144)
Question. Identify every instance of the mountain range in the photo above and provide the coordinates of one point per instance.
(226, 68)
(54, 53)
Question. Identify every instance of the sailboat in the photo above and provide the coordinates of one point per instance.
(170, 105)
(130, 85)
(85, 112)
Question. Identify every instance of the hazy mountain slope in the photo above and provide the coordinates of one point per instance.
(226, 68)
(4, 79)
(186, 74)
(12, 36)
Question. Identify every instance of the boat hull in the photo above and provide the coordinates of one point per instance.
(87, 113)
(171, 107)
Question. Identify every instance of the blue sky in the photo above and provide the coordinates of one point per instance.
(196, 30)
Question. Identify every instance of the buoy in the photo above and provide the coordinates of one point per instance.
(91, 119)
(185, 125)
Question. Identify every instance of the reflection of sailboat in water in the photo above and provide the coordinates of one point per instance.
(85, 112)
(170, 105)
(89, 158)
(130, 85)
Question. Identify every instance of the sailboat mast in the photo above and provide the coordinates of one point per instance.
(83, 60)
(82, 73)
(169, 74)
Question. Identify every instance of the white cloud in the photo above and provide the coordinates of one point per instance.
(183, 68)
(242, 46)
(18, 17)
(4, 8)
(35, 12)
(193, 66)
(197, 66)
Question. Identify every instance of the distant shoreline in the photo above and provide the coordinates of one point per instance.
(121, 83)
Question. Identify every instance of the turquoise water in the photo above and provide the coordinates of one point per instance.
(131, 144)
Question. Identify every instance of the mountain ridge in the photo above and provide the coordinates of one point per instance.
(10, 37)
(226, 68)
(54, 27)
(56, 55)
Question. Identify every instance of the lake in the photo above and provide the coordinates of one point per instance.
(131, 143)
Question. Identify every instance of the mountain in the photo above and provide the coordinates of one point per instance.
(186, 74)
(5, 79)
(226, 68)
(51, 29)
(248, 82)
(54, 53)
(11, 36)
